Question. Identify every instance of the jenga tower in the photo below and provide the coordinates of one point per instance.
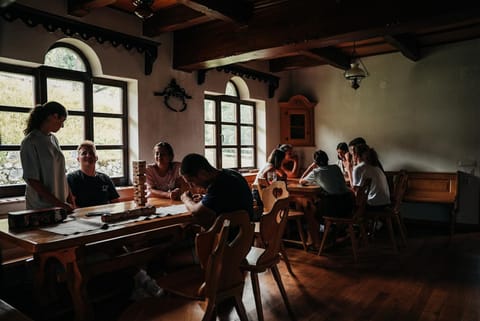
(139, 179)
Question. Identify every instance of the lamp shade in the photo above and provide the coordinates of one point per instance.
(355, 74)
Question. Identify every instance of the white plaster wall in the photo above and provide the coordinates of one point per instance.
(418, 115)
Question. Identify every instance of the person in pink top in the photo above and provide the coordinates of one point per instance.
(163, 176)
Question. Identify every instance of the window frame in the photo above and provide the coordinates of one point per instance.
(218, 99)
(40, 75)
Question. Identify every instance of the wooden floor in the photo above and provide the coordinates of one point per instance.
(429, 280)
(432, 279)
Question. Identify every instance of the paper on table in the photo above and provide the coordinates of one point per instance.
(171, 210)
(74, 226)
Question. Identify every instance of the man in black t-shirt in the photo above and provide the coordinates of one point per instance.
(88, 186)
(226, 190)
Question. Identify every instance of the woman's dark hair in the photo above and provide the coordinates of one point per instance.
(276, 158)
(342, 146)
(357, 141)
(320, 158)
(41, 112)
(369, 155)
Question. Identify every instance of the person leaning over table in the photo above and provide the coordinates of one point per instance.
(337, 200)
(163, 176)
(90, 187)
(272, 167)
(290, 164)
(226, 190)
(42, 159)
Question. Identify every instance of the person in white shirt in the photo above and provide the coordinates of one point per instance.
(366, 161)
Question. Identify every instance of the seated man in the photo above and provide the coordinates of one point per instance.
(226, 190)
(88, 186)
(337, 199)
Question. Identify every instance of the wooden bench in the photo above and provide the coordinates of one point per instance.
(430, 187)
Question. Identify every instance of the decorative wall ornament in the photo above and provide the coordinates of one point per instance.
(71, 28)
(174, 96)
(244, 72)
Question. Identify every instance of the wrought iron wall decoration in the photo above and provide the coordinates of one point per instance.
(271, 80)
(173, 92)
(33, 17)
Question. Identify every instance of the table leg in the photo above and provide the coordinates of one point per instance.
(75, 278)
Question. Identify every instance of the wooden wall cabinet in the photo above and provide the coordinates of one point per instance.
(297, 121)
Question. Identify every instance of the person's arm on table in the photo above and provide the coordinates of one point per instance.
(200, 213)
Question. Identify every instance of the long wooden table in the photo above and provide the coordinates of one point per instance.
(70, 249)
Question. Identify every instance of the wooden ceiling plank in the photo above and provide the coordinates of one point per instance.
(333, 57)
(80, 8)
(171, 19)
(406, 44)
(231, 11)
(268, 36)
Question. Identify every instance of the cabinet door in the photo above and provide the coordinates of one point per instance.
(296, 121)
(296, 127)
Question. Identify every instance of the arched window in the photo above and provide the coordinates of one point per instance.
(97, 111)
(230, 130)
(66, 58)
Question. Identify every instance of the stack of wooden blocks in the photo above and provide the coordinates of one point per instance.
(139, 179)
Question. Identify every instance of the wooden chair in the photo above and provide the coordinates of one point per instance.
(270, 194)
(392, 213)
(357, 219)
(260, 259)
(220, 251)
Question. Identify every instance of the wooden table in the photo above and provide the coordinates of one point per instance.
(69, 250)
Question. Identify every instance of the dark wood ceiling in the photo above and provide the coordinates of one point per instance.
(293, 34)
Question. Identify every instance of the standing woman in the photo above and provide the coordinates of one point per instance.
(42, 159)
(163, 176)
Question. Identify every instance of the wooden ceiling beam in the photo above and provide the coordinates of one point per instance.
(231, 11)
(171, 19)
(80, 8)
(333, 57)
(279, 31)
(406, 44)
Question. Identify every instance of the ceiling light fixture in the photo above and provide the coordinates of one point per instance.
(355, 74)
(143, 8)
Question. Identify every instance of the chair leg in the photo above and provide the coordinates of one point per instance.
(242, 313)
(353, 239)
(209, 312)
(278, 279)
(298, 220)
(324, 238)
(401, 230)
(363, 234)
(391, 233)
(256, 295)
(285, 259)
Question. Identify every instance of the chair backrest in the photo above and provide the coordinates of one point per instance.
(361, 199)
(223, 272)
(272, 228)
(269, 194)
(213, 264)
(399, 189)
